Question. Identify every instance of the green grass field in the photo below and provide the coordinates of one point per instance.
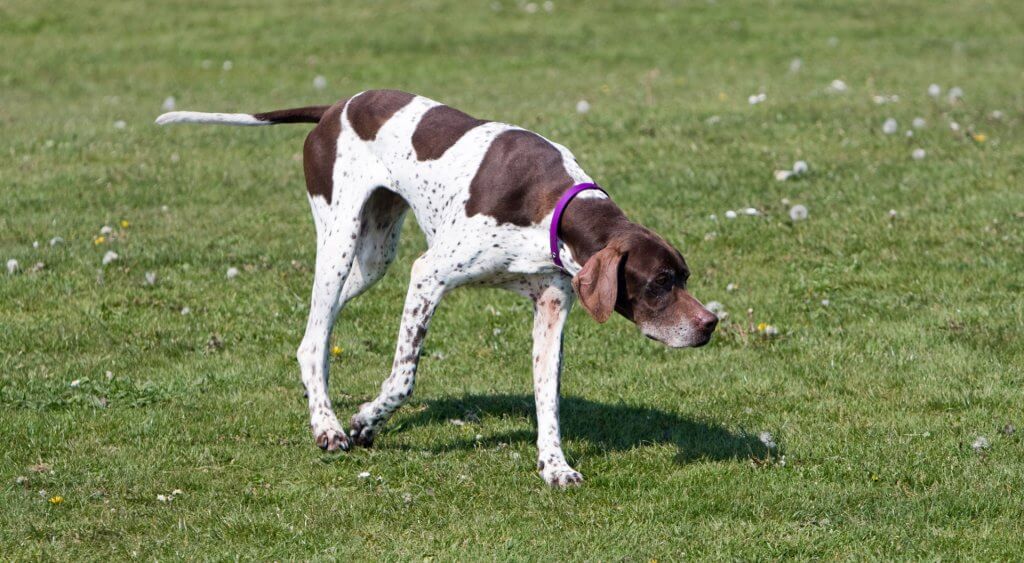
(874, 399)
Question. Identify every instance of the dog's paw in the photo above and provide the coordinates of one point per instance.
(361, 431)
(560, 476)
(330, 437)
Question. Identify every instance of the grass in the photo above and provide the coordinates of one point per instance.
(874, 400)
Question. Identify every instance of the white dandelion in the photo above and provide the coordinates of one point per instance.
(169, 103)
(798, 212)
(530, 8)
(186, 310)
(319, 82)
(752, 212)
(549, 6)
(120, 124)
(918, 154)
(730, 214)
(150, 278)
(935, 90)
(955, 94)
(919, 123)
(106, 230)
(980, 444)
(837, 86)
(795, 65)
(731, 287)
(228, 65)
(12, 266)
(232, 273)
(767, 439)
(755, 99)
(800, 167)
(582, 106)
(109, 257)
(954, 126)
(717, 308)
(890, 126)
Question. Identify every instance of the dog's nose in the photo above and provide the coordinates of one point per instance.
(708, 321)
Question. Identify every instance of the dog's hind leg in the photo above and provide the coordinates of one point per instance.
(353, 178)
(429, 282)
(337, 239)
(380, 225)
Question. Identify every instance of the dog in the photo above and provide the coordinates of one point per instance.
(500, 206)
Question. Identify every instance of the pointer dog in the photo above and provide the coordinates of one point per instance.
(486, 195)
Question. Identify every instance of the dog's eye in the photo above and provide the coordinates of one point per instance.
(662, 283)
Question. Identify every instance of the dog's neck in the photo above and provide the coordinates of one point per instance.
(589, 224)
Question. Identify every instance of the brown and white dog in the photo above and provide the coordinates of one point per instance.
(483, 192)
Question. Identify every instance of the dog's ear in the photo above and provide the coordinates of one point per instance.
(597, 284)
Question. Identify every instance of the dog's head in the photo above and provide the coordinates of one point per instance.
(642, 277)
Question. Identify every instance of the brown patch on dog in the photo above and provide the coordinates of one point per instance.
(439, 129)
(370, 110)
(310, 114)
(519, 181)
(320, 152)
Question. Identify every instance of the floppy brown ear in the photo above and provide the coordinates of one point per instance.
(597, 284)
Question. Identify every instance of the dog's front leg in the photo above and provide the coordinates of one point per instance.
(426, 288)
(551, 308)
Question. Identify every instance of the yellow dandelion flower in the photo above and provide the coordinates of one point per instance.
(125, 224)
(605, 88)
(980, 137)
(336, 351)
(761, 327)
(56, 499)
(99, 240)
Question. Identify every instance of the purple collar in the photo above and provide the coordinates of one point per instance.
(556, 218)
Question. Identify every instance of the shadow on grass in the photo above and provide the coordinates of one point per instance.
(599, 426)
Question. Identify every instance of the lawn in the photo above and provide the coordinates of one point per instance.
(166, 420)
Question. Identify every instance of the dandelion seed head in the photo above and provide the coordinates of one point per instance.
(232, 273)
(798, 212)
(980, 444)
(890, 126)
(582, 106)
(109, 257)
(12, 266)
(837, 86)
(319, 82)
(918, 154)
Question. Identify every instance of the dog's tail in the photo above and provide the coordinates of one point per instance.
(311, 114)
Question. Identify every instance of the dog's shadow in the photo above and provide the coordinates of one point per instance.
(593, 426)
